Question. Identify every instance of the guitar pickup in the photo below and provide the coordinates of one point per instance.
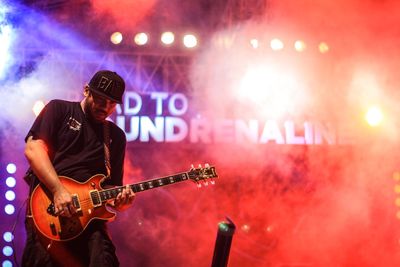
(95, 198)
(75, 202)
(53, 229)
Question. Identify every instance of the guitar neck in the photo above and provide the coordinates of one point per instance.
(112, 193)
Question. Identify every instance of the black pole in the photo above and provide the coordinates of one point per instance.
(223, 243)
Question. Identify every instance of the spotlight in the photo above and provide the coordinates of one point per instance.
(11, 168)
(5, 44)
(397, 202)
(10, 195)
(269, 228)
(7, 263)
(9, 209)
(116, 38)
(276, 44)
(167, 38)
(374, 116)
(223, 41)
(397, 189)
(189, 40)
(37, 107)
(10, 181)
(245, 228)
(299, 46)
(141, 38)
(8, 251)
(254, 43)
(8, 236)
(323, 47)
(396, 176)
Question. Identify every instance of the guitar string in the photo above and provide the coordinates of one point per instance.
(84, 200)
(88, 200)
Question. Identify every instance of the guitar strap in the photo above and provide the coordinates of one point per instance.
(106, 132)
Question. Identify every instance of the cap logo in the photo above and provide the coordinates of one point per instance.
(108, 84)
(104, 83)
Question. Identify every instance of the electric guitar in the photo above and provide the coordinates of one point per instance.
(90, 201)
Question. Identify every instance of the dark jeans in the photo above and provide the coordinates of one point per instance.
(93, 248)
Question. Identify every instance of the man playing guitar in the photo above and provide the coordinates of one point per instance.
(74, 139)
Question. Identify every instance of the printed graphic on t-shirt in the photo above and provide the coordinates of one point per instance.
(74, 124)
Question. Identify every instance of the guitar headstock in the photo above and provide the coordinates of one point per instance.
(202, 174)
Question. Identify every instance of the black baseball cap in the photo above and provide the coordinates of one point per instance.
(108, 84)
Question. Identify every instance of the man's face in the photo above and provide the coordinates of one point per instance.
(99, 107)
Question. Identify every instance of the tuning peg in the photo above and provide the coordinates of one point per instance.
(198, 185)
(206, 183)
(192, 166)
(207, 165)
(199, 165)
(212, 181)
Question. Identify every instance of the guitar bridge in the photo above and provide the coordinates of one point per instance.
(95, 198)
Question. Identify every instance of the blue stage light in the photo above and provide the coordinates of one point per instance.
(11, 168)
(6, 37)
(8, 236)
(10, 195)
(7, 263)
(8, 251)
(11, 182)
(9, 209)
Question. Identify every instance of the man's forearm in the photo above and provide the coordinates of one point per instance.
(38, 158)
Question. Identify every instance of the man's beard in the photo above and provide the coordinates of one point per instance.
(89, 113)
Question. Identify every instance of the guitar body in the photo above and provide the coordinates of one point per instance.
(90, 200)
(60, 228)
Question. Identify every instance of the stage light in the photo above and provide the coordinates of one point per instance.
(374, 116)
(223, 40)
(9, 209)
(11, 168)
(396, 176)
(269, 229)
(397, 189)
(254, 43)
(189, 40)
(10, 181)
(5, 43)
(167, 38)
(7, 263)
(116, 38)
(37, 107)
(299, 46)
(276, 44)
(8, 251)
(270, 90)
(6, 38)
(8, 236)
(323, 47)
(245, 228)
(141, 38)
(223, 227)
(10, 195)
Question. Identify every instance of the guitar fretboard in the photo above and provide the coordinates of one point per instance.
(143, 186)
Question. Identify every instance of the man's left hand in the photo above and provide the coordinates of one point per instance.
(124, 199)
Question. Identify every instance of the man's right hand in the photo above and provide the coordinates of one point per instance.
(63, 203)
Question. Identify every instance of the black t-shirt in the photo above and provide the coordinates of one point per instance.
(75, 143)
